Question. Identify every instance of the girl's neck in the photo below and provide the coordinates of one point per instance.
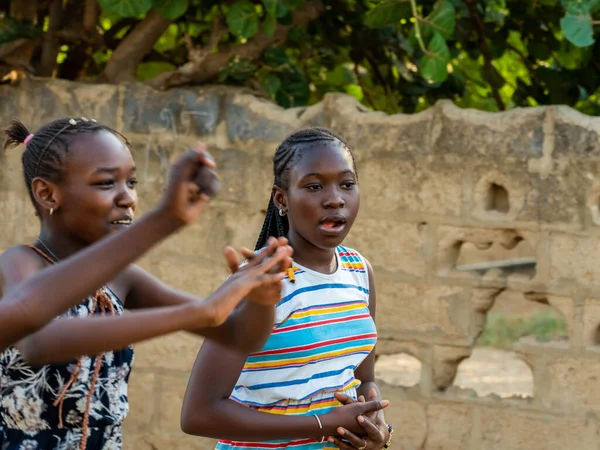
(57, 244)
(311, 257)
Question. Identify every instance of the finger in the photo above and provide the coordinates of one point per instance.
(372, 394)
(374, 406)
(247, 253)
(353, 439)
(205, 157)
(268, 250)
(188, 164)
(270, 278)
(232, 259)
(371, 429)
(344, 399)
(340, 444)
(270, 262)
(361, 399)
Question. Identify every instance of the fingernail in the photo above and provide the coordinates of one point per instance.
(330, 439)
(384, 403)
(360, 419)
(341, 431)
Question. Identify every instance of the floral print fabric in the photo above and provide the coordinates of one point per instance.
(29, 420)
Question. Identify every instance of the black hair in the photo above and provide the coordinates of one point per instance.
(46, 151)
(289, 152)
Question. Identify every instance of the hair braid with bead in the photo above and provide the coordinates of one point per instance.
(288, 153)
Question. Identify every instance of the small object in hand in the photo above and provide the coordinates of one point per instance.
(291, 275)
(208, 181)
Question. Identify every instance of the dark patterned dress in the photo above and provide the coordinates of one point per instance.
(29, 419)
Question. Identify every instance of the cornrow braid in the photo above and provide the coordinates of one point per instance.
(46, 150)
(287, 153)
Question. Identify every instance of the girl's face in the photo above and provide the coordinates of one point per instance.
(322, 198)
(97, 194)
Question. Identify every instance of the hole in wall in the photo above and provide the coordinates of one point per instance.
(497, 199)
(400, 369)
(521, 259)
(494, 368)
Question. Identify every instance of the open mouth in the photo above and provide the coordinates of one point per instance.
(333, 223)
(122, 222)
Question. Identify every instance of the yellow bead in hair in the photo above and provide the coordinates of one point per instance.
(291, 275)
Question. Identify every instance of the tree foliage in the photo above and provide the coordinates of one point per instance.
(392, 55)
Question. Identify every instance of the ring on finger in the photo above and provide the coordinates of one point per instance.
(363, 447)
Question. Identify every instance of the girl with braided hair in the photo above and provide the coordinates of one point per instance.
(63, 385)
(306, 388)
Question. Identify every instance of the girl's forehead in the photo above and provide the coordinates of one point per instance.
(98, 150)
(324, 158)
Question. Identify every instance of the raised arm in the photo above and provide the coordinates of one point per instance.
(64, 339)
(27, 306)
(247, 328)
(208, 410)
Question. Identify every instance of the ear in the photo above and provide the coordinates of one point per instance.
(46, 194)
(280, 199)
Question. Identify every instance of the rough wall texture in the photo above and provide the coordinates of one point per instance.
(433, 186)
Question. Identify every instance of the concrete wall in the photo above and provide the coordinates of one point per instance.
(437, 187)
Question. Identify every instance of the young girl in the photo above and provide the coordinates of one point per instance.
(81, 179)
(321, 350)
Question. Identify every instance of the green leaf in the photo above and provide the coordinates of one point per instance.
(441, 19)
(270, 6)
(270, 24)
(434, 64)
(171, 9)
(577, 26)
(388, 12)
(283, 9)
(126, 8)
(242, 19)
(276, 57)
(271, 83)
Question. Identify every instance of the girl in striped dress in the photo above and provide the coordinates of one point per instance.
(306, 388)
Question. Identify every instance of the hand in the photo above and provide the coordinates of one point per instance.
(190, 180)
(345, 417)
(266, 294)
(257, 273)
(377, 433)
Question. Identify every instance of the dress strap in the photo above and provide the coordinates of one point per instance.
(41, 253)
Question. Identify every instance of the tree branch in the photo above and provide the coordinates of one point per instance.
(204, 65)
(122, 66)
(485, 51)
(51, 46)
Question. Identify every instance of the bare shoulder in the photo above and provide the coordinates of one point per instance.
(17, 264)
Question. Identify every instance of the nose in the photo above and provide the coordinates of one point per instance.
(127, 198)
(333, 199)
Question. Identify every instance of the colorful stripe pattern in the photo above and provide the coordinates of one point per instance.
(323, 331)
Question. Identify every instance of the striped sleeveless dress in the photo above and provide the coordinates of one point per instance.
(323, 331)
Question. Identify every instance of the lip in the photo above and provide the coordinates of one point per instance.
(340, 221)
(123, 221)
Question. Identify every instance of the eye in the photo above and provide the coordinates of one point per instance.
(105, 183)
(313, 187)
(132, 183)
(348, 184)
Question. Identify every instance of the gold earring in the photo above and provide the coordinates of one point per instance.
(282, 212)
(51, 211)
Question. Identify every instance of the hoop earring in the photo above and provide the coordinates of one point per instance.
(282, 212)
(51, 211)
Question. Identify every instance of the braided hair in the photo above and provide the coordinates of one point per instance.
(288, 153)
(46, 151)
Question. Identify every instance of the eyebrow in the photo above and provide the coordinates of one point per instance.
(111, 170)
(316, 174)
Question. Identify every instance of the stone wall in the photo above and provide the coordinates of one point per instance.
(435, 187)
